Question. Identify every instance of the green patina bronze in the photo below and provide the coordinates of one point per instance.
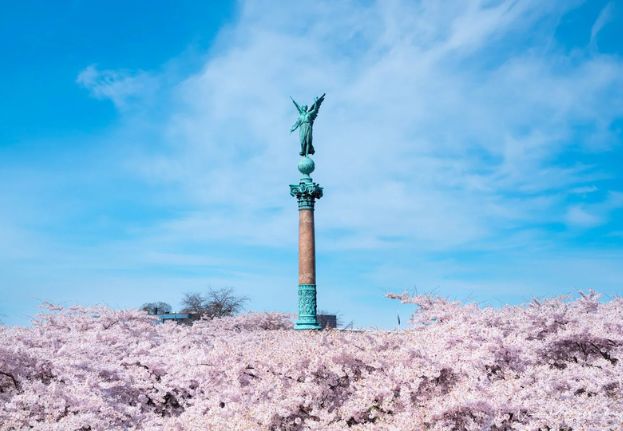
(307, 307)
(305, 124)
(306, 166)
(306, 192)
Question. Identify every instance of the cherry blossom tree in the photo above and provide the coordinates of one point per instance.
(549, 365)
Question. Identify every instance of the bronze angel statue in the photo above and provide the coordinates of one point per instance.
(305, 124)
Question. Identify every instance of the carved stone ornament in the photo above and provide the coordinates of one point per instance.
(306, 192)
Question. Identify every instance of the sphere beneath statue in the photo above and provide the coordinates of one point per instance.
(306, 165)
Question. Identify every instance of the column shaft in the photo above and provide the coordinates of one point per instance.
(306, 192)
(307, 247)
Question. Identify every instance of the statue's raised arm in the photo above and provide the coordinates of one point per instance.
(298, 108)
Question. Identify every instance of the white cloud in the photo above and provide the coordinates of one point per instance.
(584, 190)
(579, 216)
(434, 130)
(119, 86)
(594, 214)
(602, 19)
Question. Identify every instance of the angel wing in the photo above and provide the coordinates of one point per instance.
(298, 108)
(313, 110)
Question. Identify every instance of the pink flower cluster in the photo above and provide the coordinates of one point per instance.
(551, 365)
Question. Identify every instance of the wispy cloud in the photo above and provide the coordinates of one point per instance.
(443, 126)
(594, 214)
(121, 87)
(602, 19)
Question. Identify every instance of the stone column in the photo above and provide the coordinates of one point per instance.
(307, 247)
(306, 192)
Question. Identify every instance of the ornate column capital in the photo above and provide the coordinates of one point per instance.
(306, 192)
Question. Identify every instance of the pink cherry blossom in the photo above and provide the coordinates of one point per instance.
(550, 365)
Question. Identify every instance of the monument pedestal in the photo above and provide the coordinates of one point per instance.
(306, 192)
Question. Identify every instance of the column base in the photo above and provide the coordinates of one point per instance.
(307, 327)
(301, 326)
(307, 308)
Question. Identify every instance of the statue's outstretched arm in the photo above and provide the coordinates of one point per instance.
(298, 108)
(295, 125)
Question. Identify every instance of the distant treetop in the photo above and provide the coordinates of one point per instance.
(156, 308)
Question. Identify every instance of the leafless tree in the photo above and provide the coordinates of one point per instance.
(193, 303)
(215, 303)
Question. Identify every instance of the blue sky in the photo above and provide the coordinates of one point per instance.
(471, 150)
